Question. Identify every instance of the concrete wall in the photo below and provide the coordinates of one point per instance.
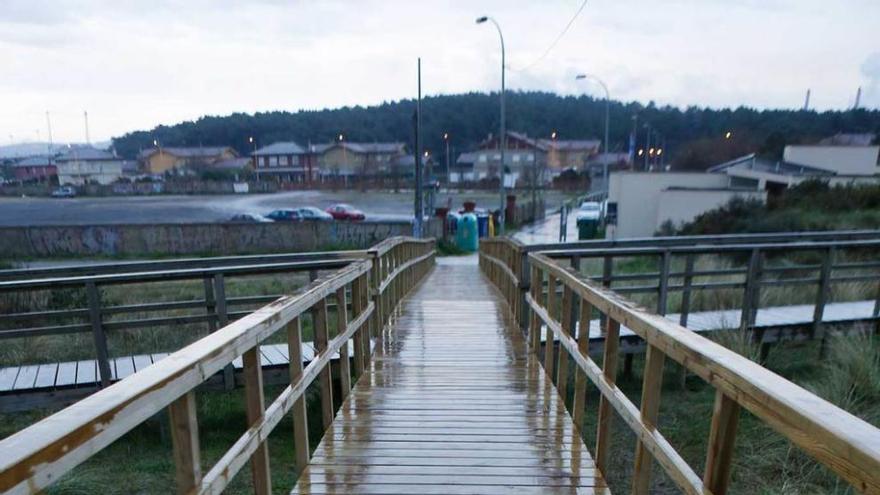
(196, 238)
(845, 160)
(638, 196)
(683, 205)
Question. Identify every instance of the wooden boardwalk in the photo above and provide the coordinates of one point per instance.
(452, 404)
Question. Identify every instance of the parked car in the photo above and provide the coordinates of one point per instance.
(313, 214)
(284, 215)
(344, 211)
(64, 192)
(249, 218)
(589, 211)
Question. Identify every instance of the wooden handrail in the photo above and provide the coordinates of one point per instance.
(844, 443)
(40, 454)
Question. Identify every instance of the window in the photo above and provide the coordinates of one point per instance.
(482, 158)
(516, 158)
(265, 161)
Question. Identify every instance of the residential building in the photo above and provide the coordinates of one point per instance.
(639, 203)
(87, 165)
(35, 169)
(525, 156)
(284, 161)
(463, 168)
(160, 160)
(350, 159)
(565, 154)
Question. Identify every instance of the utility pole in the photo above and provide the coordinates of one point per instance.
(419, 214)
(86, 118)
(647, 144)
(49, 127)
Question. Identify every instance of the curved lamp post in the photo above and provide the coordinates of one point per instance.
(607, 112)
(503, 136)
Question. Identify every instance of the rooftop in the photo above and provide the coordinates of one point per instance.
(280, 148)
(86, 153)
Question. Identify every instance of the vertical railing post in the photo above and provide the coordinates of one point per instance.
(606, 414)
(686, 289)
(298, 411)
(222, 320)
(567, 331)
(325, 378)
(722, 436)
(752, 292)
(360, 335)
(663, 283)
(256, 406)
(210, 304)
(822, 294)
(652, 384)
(548, 334)
(536, 286)
(185, 442)
(524, 276)
(341, 325)
(98, 335)
(578, 405)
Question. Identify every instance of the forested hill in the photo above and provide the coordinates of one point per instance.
(693, 137)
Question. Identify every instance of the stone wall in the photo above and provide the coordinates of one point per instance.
(196, 238)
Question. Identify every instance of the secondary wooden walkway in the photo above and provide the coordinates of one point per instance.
(453, 404)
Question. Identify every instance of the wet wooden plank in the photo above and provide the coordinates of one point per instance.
(7, 377)
(46, 375)
(124, 366)
(27, 375)
(452, 402)
(86, 372)
(66, 374)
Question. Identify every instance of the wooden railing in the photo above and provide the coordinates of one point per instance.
(34, 458)
(844, 443)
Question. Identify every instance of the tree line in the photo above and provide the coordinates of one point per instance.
(694, 137)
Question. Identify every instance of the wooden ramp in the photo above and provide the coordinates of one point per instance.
(453, 404)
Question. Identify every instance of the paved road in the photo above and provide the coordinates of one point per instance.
(188, 209)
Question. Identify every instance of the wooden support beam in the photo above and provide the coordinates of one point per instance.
(722, 437)
(256, 407)
(567, 330)
(185, 442)
(609, 374)
(325, 379)
(298, 411)
(551, 310)
(361, 336)
(580, 381)
(652, 385)
(341, 324)
(536, 287)
(98, 335)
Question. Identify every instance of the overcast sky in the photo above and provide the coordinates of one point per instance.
(136, 64)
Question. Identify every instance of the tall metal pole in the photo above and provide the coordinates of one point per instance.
(419, 214)
(502, 140)
(607, 120)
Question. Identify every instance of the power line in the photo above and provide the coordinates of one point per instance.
(555, 41)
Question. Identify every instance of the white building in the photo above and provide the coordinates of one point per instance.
(841, 160)
(86, 165)
(639, 203)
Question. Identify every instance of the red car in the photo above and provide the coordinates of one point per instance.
(343, 211)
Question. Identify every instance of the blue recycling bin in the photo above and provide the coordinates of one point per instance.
(483, 225)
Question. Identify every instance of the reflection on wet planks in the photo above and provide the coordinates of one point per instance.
(453, 404)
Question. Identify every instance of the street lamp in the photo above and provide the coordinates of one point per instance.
(728, 135)
(503, 137)
(607, 118)
(446, 141)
